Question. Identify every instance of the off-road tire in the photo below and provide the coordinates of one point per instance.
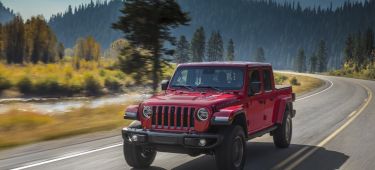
(283, 134)
(231, 154)
(138, 156)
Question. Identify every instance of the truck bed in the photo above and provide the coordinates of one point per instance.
(280, 87)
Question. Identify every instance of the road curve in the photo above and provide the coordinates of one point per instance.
(333, 129)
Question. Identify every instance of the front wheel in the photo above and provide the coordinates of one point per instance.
(138, 156)
(231, 154)
(283, 134)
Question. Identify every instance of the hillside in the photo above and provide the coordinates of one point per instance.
(5, 14)
(279, 28)
(92, 19)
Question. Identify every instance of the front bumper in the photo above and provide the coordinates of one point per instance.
(182, 140)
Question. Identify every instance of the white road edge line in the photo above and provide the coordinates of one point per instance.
(327, 139)
(330, 86)
(116, 145)
(66, 157)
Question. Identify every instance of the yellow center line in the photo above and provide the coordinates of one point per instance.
(352, 117)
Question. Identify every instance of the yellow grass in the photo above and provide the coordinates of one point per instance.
(307, 83)
(18, 127)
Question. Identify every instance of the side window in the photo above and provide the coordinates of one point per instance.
(254, 83)
(267, 80)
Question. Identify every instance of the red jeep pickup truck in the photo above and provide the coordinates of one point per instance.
(210, 108)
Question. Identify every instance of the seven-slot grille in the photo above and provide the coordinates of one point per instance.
(173, 117)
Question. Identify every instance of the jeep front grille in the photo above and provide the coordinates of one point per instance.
(173, 117)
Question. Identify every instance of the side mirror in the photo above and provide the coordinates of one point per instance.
(164, 84)
(254, 88)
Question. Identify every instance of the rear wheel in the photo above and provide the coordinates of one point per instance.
(283, 134)
(231, 154)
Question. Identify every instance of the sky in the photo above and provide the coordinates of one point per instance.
(47, 8)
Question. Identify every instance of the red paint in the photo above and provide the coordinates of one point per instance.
(261, 111)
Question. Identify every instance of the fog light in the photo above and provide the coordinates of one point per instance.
(134, 138)
(202, 142)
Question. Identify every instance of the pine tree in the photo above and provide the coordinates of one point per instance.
(15, 40)
(219, 46)
(369, 45)
(215, 47)
(349, 50)
(230, 51)
(60, 51)
(358, 52)
(300, 61)
(198, 44)
(41, 42)
(322, 56)
(182, 51)
(313, 63)
(260, 56)
(147, 24)
(211, 53)
(2, 42)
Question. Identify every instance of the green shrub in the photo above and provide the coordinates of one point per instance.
(102, 72)
(92, 85)
(25, 85)
(4, 83)
(280, 79)
(112, 84)
(369, 72)
(120, 75)
(294, 82)
(71, 88)
(47, 86)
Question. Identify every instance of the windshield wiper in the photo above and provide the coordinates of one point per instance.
(186, 87)
(211, 87)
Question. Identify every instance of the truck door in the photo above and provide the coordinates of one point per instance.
(269, 96)
(255, 107)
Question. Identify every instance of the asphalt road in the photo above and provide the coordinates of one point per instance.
(333, 129)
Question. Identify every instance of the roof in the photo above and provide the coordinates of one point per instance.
(227, 63)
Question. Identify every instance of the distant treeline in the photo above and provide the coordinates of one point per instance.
(93, 19)
(29, 42)
(198, 50)
(281, 29)
(359, 55)
(360, 50)
(34, 41)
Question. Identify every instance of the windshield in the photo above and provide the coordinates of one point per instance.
(216, 78)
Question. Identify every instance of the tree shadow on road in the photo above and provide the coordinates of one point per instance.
(151, 168)
(265, 156)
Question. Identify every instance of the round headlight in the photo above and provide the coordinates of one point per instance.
(202, 114)
(147, 111)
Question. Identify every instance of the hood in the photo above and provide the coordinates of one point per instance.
(192, 98)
